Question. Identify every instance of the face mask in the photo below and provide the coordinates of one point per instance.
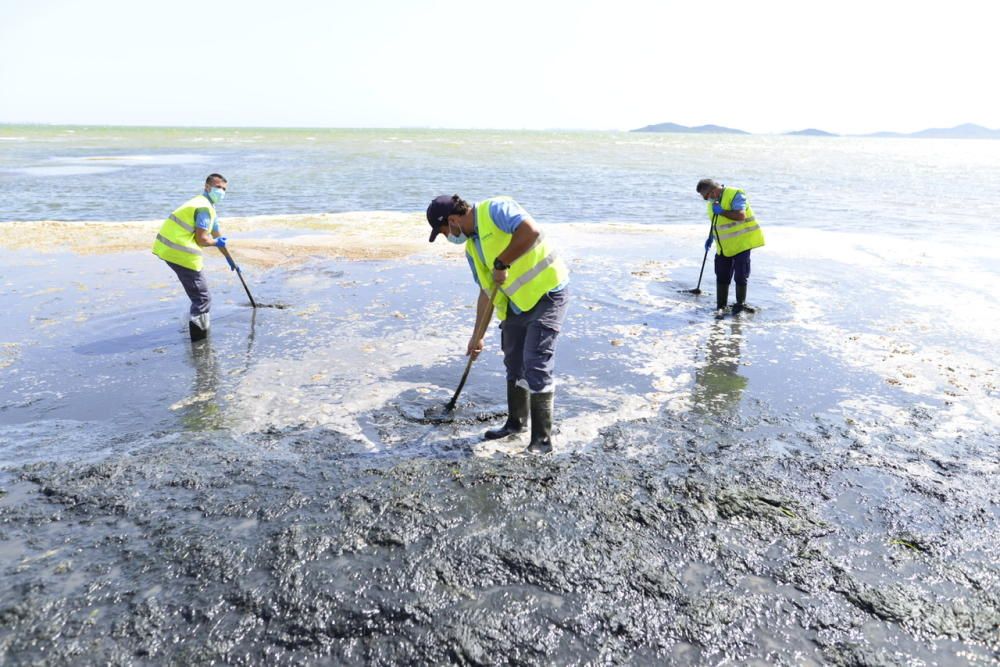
(215, 195)
(461, 238)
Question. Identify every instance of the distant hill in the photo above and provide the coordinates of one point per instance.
(964, 131)
(811, 132)
(701, 129)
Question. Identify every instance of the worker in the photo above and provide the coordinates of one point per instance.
(507, 251)
(183, 234)
(735, 232)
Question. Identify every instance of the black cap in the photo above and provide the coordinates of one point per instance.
(438, 211)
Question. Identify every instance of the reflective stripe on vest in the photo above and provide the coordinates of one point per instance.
(734, 236)
(740, 232)
(176, 241)
(530, 276)
(512, 289)
(177, 246)
(183, 224)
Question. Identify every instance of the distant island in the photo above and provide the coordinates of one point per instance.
(701, 129)
(811, 132)
(964, 131)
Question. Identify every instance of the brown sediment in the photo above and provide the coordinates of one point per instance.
(355, 236)
(9, 352)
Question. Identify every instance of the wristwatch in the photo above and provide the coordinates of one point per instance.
(500, 266)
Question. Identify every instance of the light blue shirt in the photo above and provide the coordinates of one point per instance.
(203, 219)
(739, 202)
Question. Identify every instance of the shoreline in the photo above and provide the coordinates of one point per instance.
(274, 240)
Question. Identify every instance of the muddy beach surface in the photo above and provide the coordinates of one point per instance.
(814, 483)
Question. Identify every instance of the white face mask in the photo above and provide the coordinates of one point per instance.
(460, 238)
(215, 195)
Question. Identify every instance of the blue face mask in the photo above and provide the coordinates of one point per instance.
(215, 195)
(461, 238)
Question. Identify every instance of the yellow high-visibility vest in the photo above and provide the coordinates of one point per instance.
(175, 241)
(735, 236)
(530, 277)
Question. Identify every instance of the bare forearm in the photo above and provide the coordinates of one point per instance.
(523, 238)
(203, 238)
(482, 312)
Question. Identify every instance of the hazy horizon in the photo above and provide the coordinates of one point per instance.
(455, 129)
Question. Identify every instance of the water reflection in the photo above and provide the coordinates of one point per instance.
(251, 336)
(718, 385)
(201, 411)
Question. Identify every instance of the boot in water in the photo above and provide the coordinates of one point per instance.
(741, 301)
(198, 327)
(721, 296)
(517, 413)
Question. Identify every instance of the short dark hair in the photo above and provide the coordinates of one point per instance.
(706, 184)
(459, 206)
(212, 177)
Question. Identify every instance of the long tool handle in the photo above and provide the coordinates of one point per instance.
(711, 230)
(477, 334)
(702, 272)
(454, 399)
(234, 267)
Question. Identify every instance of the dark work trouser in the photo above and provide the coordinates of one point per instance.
(196, 286)
(737, 266)
(529, 342)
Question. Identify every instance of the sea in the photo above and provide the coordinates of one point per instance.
(937, 189)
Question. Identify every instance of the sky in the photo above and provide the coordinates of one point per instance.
(848, 67)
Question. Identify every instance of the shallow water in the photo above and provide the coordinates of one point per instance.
(811, 483)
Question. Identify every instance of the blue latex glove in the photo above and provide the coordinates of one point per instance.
(220, 242)
(717, 208)
(708, 243)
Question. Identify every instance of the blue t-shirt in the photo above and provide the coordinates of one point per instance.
(739, 202)
(203, 219)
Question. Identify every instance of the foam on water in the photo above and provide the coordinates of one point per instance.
(65, 170)
(138, 160)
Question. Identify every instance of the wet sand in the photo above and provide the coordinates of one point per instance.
(265, 241)
(813, 483)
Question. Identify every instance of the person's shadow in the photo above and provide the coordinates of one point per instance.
(718, 385)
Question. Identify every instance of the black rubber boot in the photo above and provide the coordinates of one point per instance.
(197, 333)
(721, 296)
(541, 424)
(741, 300)
(517, 413)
